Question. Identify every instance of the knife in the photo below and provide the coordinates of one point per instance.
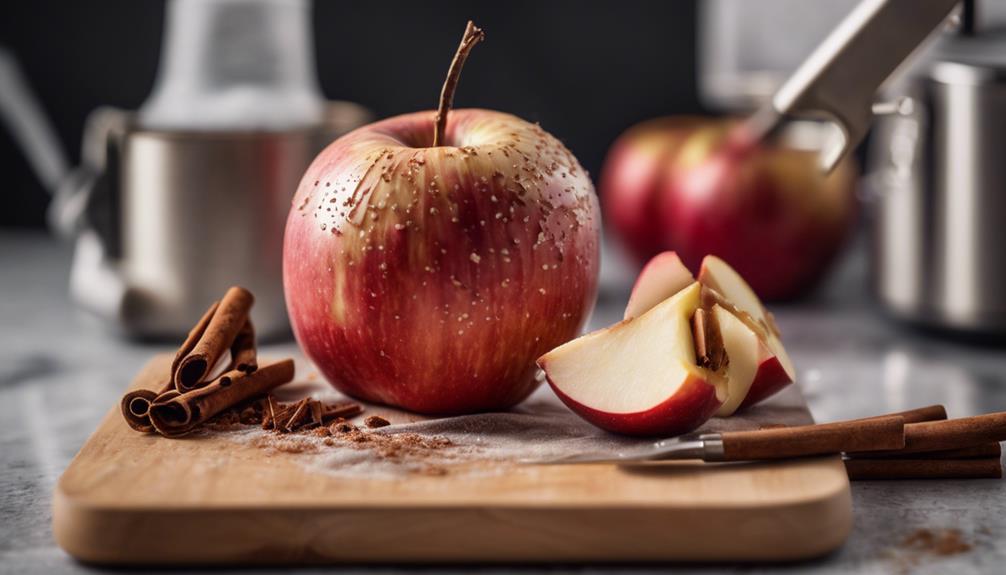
(886, 432)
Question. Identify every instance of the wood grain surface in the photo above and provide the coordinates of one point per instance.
(130, 498)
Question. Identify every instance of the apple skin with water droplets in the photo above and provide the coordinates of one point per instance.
(432, 278)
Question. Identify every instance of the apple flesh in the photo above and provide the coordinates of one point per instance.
(662, 277)
(743, 349)
(639, 376)
(431, 278)
(758, 365)
(775, 369)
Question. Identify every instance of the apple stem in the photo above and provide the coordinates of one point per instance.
(473, 35)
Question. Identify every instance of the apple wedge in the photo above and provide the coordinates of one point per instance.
(743, 348)
(639, 376)
(663, 276)
(774, 367)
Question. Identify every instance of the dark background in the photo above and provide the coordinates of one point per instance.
(585, 70)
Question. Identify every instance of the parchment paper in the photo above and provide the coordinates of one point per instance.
(540, 428)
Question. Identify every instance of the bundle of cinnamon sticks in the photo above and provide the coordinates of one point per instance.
(192, 393)
(937, 448)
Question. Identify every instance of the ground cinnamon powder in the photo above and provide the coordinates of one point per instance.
(942, 542)
(925, 545)
(416, 450)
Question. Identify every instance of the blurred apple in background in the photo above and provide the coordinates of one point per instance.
(685, 184)
(431, 274)
(631, 176)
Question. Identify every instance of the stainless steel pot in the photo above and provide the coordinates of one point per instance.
(938, 176)
(177, 201)
(175, 217)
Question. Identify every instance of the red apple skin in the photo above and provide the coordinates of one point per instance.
(632, 177)
(770, 379)
(767, 211)
(432, 278)
(691, 406)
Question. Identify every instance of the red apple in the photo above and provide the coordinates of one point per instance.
(747, 204)
(430, 277)
(632, 175)
(639, 376)
(758, 365)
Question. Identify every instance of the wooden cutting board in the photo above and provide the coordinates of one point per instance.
(129, 498)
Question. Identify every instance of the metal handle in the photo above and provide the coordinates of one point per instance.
(21, 111)
(839, 79)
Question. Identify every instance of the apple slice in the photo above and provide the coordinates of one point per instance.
(639, 376)
(775, 369)
(743, 349)
(663, 276)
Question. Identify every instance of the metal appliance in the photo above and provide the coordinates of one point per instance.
(937, 177)
(188, 195)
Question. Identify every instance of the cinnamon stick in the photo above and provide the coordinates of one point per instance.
(919, 414)
(181, 414)
(193, 338)
(316, 413)
(280, 416)
(244, 356)
(345, 410)
(955, 433)
(295, 419)
(204, 346)
(958, 433)
(868, 469)
(269, 414)
(166, 396)
(135, 406)
(975, 452)
(709, 349)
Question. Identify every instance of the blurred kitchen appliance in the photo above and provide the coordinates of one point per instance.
(938, 177)
(188, 195)
(748, 49)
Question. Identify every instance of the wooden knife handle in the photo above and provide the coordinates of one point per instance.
(885, 432)
(955, 433)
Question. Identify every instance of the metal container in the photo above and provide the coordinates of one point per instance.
(174, 217)
(938, 175)
(188, 195)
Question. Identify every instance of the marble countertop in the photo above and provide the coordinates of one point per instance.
(59, 373)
